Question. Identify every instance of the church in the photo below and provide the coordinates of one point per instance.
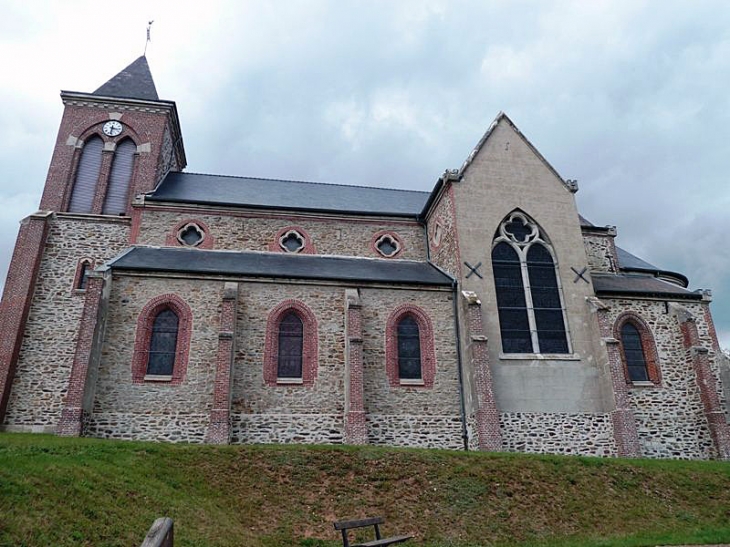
(483, 313)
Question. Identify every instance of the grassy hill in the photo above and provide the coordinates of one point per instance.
(56, 491)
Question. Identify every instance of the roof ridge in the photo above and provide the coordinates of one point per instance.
(304, 182)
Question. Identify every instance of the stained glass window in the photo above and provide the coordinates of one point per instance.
(291, 338)
(511, 303)
(409, 349)
(163, 344)
(546, 301)
(634, 353)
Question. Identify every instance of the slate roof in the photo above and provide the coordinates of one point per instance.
(280, 265)
(639, 284)
(134, 82)
(287, 194)
(629, 261)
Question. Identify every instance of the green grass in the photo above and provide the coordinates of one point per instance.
(58, 491)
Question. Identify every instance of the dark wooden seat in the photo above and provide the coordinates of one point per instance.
(345, 525)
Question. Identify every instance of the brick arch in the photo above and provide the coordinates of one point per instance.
(428, 352)
(95, 128)
(648, 345)
(310, 343)
(208, 239)
(145, 321)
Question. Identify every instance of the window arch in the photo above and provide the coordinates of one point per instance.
(529, 297)
(117, 192)
(87, 176)
(162, 343)
(291, 345)
(83, 268)
(410, 358)
(638, 350)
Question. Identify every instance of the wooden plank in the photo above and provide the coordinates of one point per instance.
(385, 541)
(347, 524)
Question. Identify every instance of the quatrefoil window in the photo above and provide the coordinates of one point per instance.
(191, 235)
(519, 229)
(292, 241)
(387, 246)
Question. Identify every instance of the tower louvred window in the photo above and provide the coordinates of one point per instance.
(529, 300)
(87, 176)
(117, 191)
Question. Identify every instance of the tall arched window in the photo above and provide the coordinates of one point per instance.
(638, 350)
(162, 341)
(290, 350)
(409, 349)
(87, 176)
(529, 301)
(163, 344)
(291, 344)
(117, 191)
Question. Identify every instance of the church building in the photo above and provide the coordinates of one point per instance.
(483, 313)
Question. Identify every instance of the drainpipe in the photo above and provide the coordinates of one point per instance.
(457, 336)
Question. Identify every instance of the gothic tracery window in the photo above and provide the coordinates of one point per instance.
(529, 301)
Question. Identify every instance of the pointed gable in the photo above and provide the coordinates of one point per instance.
(134, 82)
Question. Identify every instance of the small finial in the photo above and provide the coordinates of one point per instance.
(149, 26)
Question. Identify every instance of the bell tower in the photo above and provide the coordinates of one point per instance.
(112, 145)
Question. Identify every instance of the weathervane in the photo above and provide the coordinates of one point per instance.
(149, 26)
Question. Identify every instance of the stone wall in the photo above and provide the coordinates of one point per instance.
(559, 433)
(600, 251)
(258, 232)
(156, 410)
(288, 413)
(48, 347)
(410, 415)
(669, 416)
(443, 241)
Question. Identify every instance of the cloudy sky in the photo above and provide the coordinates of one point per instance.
(629, 97)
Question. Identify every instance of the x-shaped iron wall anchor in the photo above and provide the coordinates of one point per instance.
(579, 274)
(473, 270)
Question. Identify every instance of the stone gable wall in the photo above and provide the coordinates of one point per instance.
(49, 343)
(670, 419)
(156, 410)
(257, 232)
(443, 241)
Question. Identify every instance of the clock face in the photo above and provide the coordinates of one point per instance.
(112, 128)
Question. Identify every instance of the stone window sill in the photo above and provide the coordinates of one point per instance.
(78, 292)
(411, 382)
(643, 384)
(539, 356)
(158, 378)
(289, 381)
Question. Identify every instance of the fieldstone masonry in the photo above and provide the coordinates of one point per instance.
(74, 357)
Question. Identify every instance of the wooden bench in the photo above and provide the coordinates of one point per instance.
(345, 525)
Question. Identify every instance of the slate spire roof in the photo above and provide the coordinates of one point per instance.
(134, 82)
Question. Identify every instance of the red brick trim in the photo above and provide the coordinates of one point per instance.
(144, 331)
(308, 249)
(428, 353)
(208, 240)
(647, 344)
(76, 287)
(395, 237)
(17, 297)
(310, 343)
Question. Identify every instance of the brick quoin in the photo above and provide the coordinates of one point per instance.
(219, 429)
(17, 296)
(623, 420)
(487, 415)
(355, 419)
(706, 383)
(72, 415)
